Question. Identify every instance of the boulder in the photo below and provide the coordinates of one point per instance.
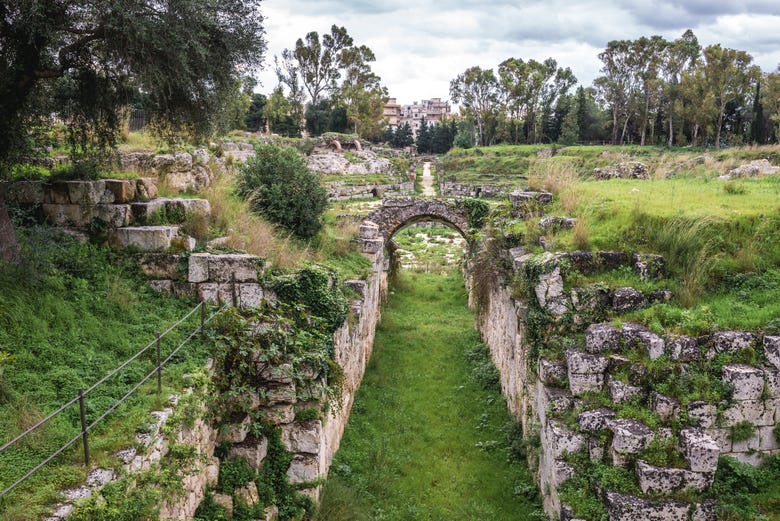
(755, 168)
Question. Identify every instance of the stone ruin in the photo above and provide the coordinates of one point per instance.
(624, 170)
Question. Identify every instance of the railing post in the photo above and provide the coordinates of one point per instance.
(202, 319)
(159, 368)
(84, 434)
(235, 296)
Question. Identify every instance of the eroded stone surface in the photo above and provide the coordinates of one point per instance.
(622, 507)
(629, 436)
(699, 449)
(746, 381)
(602, 337)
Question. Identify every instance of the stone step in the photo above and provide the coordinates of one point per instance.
(169, 210)
(151, 238)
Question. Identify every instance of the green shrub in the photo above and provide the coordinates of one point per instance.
(742, 431)
(234, 473)
(278, 185)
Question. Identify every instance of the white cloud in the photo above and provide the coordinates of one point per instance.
(421, 46)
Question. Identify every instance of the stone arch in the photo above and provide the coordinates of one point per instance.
(397, 213)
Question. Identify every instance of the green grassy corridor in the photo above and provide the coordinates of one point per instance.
(427, 439)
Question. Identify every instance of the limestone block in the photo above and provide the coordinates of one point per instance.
(551, 373)
(595, 419)
(248, 494)
(159, 265)
(630, 332)
(767, 438)
(114, 215)
(187, 207)
(303, 437)
(621, 392)
(198, 267)
(754, 411)
(629, 436)
(123, 190)
(183, 289)
(683, 349)
(281, 394)
(584, 363)
(372, 245)
(722, 438)
(280, 414)
(707, 510)
(144, 238)
(368, 230)
(87, 193)
(550, 287)
(146, 188)
(772, 376)
(250, 295)
(664, 406)
(212, 472)
(602, 337)
(747, 445)
(702, 413)
(731, 342)
(585, 383)
(224, 267)
(627, 299)
(358, 286)
(746, 381)
(622, 507)
(303, 469)
(225, 502)
(699, 449)
(235, 432)
(654, 344)
(252, 450)
(271, 513)
(772, 350)
(562, 440)
(663, 480)
(276, 374)
(56, 193)
(753, 458)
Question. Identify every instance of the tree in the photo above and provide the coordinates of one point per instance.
(255, 119)
(404, 136)
(318, 64)
(570, 129)
(616, 87)
(283, 114)
(772, 101)
(279, 186)
(730, 75)
(424, 137)
(681, 55)
(476, 89)
(184, 57)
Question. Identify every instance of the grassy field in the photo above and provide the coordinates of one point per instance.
(427, 440)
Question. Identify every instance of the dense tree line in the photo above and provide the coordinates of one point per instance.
(650, 91)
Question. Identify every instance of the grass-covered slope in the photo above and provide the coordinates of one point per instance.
(69, 314)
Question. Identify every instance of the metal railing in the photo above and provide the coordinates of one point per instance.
(82, 394)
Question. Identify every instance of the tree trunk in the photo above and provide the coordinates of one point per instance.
(695, 138)
(671, 130)
(717, 133)
(9, 246)
(623, 133)
(614, 125)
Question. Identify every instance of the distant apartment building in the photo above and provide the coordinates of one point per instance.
(432, 110)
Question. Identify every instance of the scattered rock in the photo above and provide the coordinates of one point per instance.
(755, 168)
(625, 170)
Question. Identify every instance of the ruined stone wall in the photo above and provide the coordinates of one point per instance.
(339, 191)
(543, 391)
(454, 189)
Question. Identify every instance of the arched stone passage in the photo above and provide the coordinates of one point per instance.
(397, 213)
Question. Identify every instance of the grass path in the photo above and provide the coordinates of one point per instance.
(426, 441)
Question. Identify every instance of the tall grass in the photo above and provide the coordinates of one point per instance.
(244, 230)
(687, 245)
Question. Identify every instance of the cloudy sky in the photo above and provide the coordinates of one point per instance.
(420, 46)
